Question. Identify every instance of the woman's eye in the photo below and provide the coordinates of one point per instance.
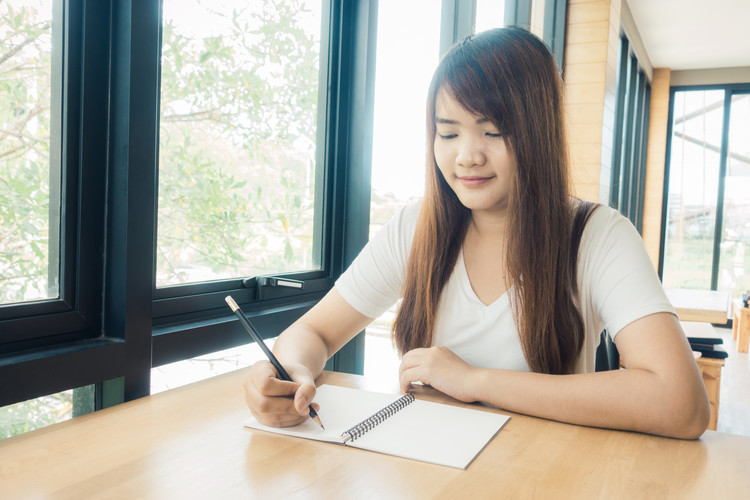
(447, 136)
(490, 134)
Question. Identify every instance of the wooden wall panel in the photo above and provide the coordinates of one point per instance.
(590, 58)
(655, 162)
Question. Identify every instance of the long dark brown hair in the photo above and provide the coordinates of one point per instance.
(510, 77)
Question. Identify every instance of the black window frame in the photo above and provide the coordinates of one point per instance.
(630, 141)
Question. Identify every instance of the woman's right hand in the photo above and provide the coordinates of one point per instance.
(279, 403)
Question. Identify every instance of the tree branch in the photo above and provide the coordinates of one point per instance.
(18, 48)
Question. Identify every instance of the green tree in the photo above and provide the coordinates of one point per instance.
(237, 138)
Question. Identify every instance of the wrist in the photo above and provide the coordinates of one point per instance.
(474, 383)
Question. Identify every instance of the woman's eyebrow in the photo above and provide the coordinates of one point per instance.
(454, 122)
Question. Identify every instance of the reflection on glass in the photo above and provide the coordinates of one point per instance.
(27, 271)
(693, 187)
(239, 93)
(734, 263)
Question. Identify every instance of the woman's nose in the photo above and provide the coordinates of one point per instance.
(470, 153)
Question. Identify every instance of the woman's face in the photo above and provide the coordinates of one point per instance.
(473, 157)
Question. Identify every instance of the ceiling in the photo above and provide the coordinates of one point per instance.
(694, 34)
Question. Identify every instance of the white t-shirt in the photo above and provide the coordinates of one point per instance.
(617, 285)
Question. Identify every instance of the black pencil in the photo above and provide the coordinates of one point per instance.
(259, 340)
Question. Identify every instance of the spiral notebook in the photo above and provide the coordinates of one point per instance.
(397, 425)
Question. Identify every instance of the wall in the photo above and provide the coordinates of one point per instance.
(591, 51)
(591, 60)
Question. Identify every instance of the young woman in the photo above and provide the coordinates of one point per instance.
(506, 280)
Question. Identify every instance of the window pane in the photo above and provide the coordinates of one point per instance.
(734, 264)
(27, 221)
(693, 187)
(35, 413)
(239, 93)
(398, 158)
(490, 14)
(185, 372)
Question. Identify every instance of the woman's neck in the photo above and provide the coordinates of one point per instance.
(488, 224)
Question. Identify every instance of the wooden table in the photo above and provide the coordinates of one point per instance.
(741, 325)
(189, 443)
(700, 305)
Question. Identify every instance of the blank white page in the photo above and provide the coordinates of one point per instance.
(425, 431)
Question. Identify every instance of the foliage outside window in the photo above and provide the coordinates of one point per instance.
(26, 270)
(35, 414)
(239, 93)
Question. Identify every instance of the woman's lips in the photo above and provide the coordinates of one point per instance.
(473, 181)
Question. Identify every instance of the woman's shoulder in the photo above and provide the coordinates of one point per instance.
(606, 220)
(598, 217)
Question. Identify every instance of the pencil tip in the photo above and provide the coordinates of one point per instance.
(317, 420)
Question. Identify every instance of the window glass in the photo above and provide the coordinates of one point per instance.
(407, 55)
(47, 410)
(734, 266)
(398, 158)
(187, 371)
(693, 188)
(537, 17)
(490, 14)
(239, 94)
(29, 243)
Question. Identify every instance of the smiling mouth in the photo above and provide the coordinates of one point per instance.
(473, 181)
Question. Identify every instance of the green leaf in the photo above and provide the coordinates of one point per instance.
(288, 252)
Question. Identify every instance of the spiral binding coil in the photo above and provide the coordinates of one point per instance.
(378, 418)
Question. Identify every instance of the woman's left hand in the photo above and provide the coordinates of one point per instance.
(440, 368)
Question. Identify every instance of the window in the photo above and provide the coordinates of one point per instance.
(110, 324)
(490, 14)
(734, 259)
(693, 186)
(706, 223)
(630, 137)
(239, 96)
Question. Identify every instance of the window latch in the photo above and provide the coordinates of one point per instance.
(262, 282)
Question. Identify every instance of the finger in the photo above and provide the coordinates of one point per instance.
(261, 403)
(265, 380)
(303, 398)
(407, 377)
(411, 359)
(286, 420)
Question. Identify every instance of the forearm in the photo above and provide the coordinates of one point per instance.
(631, 399)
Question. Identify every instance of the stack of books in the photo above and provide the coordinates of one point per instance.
(709, 347)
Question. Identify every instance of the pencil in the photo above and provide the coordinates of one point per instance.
(259, 340)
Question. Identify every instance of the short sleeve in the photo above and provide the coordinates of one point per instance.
(618, 281)
(373, 282)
